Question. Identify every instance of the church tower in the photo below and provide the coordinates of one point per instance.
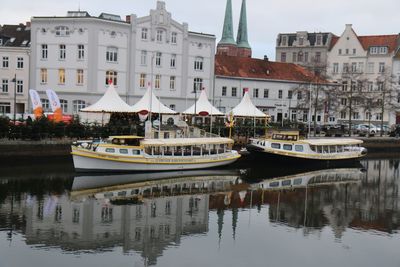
(227, 45)
(243, 47)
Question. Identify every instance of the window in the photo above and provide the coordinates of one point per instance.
(299, 95)
(62, 52)
(370, 67)
(62, 31)
(81, 52)
(275, 145)
(123, 151)
(347, 51)
(157, 82)
(305, 56)
(344, 86)
(79, 76)
(5, 107)
(111, 76)
(380, 86)
(360, 67)
(299, 148)
(173, 61)
(198, 63)
(381, 67)
(20, 86)
(78, 105)
(287, 147)
(284, 40)
(4, 86)
(356, 115)
(353, 67)
(340, 51)
(343, 101)
(280, 93)
(370, 86)
(112, 54)
(61, 76)
(345, 67)
(43, 75)
(244, 91)
(64, 105)
(318, 57)
(110, 150)
(45, 104)
(173, 37)
(319, 39)
(5, 62)
(290, 94)
(266, 93)
(44, 51)
(234, 91)
(172, 83)
(159, 35)
(144, 33)
(300, 57)
(197, 84)
(223, 91)
(294, 57)
(255, 92)
(368, 115)
(158, 59)
(343, 114)
(378, 116)
(354, 51)
(283, 57)
(143, 57)
(142, 80)
(20, 62)
(335, 67)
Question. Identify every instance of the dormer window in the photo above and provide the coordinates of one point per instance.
(62, 31)
(284, 41)
(319, 40)
(374, 50)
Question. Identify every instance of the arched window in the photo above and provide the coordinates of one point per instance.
(111, 75)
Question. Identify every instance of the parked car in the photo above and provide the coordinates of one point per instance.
(365, 129)
(335, 130)
(395, 131)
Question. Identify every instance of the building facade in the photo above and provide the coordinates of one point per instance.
(14, 69)
(366, 66)
(79, 55)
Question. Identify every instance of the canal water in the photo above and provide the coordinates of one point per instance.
(245, 215)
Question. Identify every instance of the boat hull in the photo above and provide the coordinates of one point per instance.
(258, 154)
(91, 164)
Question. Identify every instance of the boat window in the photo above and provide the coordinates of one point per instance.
(299, 148)
(276, 145)
(339, 148)
(332, 149)
(122, 193)
(286, 182)
(297, 181)
(319, 149)
(274, 184)
(292, 137)
(123, 151)
(133, 141)
(108, 194)
(287, 147)
(135, 152)
(326, 149)
(313, 148)
(110, 150)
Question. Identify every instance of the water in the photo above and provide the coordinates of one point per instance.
(240, 216)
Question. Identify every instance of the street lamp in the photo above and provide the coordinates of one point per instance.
(14, 80)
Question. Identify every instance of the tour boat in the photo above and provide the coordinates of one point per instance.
(287, 145)
(135, 153)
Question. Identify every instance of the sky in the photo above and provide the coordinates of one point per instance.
(265, 19)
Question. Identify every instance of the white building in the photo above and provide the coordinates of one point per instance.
(273, 86)
(14, 69)
(353, 59)
(78, 54)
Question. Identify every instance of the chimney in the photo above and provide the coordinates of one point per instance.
(28, 24)
(128, 18)
(265, 57)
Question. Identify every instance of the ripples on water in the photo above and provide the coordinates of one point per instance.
(225, 217)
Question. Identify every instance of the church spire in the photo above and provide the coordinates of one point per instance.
(227, 32)
(244, 48)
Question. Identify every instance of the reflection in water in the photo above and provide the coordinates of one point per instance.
(149, 213)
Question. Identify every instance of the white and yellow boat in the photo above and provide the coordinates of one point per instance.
(287, 145)
(135, 153)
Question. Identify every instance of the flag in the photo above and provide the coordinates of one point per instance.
(55, 104)
(36, 103)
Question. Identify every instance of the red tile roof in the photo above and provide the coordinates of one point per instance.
(379, 40)
(374, 40)
(262, 69)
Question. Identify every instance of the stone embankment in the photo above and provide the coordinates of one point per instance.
(61, 147)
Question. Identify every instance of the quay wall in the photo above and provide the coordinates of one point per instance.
(61, 147)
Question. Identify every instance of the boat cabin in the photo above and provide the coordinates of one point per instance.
(286, 136)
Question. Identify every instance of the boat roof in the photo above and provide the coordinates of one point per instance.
(186, 141)
(126, 137)
(332, 142)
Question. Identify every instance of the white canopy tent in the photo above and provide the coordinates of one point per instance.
(110, 102)
(246, 108)
(155, 107)
(203, 107)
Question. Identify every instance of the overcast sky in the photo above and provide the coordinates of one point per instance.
(265, 19)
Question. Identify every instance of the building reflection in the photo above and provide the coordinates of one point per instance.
(149, 213)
